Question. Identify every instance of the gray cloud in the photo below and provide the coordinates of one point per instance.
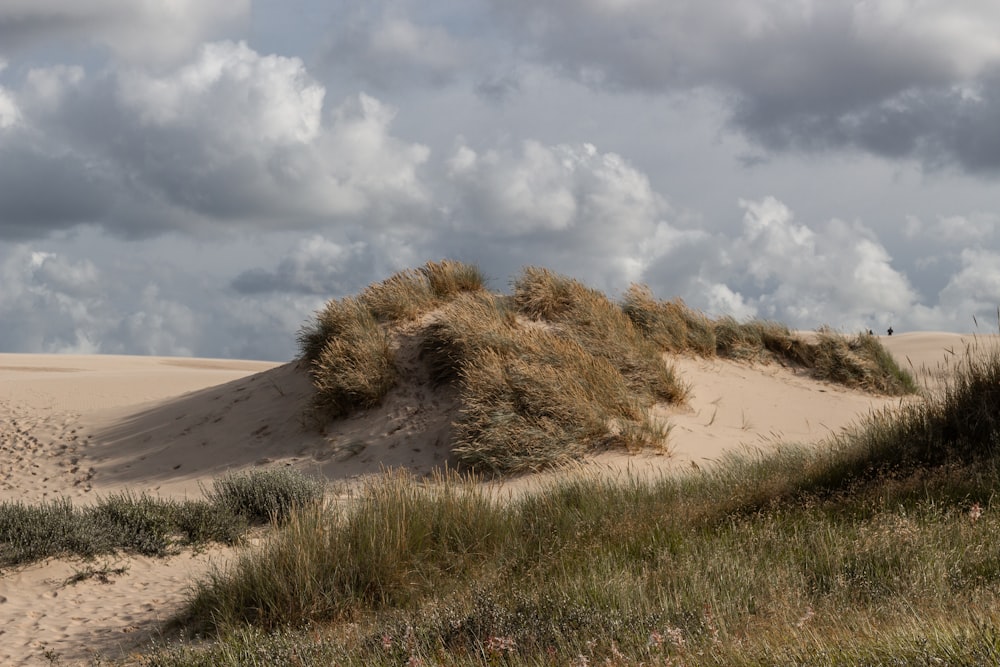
(154, 32)
(229, 139)
(206, 197)
(316, 266)
(899, 79)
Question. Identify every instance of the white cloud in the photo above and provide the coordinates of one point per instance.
(563, 206)
(721, 300)
(231, 94)
(838, 274)
(975, 289)
(231, 138)
(10, 115)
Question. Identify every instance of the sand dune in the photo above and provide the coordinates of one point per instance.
(84, 426)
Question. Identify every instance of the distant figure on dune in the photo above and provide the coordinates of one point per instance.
(890, 331)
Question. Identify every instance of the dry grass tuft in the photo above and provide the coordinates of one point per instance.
(409, 294)
(403, 296)
(859, 362)
(670, 324)
(599, 326)
(355, 368)
(532, 397)
(448, 278)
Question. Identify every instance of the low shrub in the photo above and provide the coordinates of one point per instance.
(264, 495)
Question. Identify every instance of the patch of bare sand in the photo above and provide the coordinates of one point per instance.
(48, 619)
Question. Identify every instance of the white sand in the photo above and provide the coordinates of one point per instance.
(85, 426)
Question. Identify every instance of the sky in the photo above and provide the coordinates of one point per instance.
(181, 177)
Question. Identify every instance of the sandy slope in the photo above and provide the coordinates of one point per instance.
(83, 426)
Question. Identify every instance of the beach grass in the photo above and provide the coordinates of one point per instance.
(143, 524)
(553, 371)
(876, 547)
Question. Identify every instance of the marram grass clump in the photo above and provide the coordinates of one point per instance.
(859, 361)
(553, 371)
(348, 344)
(540, 383)
(533, 396)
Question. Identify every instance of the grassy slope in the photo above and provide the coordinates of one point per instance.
(554, 370)
(857, 551)
(877, 548)
(760, 561)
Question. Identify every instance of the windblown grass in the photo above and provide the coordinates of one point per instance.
(670, 324)
(554, 371)
(348, 346)
(877, 547)
(409, 294)
(860, 362)
(599, 326)
(355, 368)
(533, 396)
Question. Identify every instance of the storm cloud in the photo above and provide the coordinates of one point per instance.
(178, 178)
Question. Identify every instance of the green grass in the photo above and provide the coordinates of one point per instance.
(143, 524)
(875, 547)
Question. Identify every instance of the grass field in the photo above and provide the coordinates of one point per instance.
(877, 547)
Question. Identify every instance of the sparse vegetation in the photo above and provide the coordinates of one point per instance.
(264, 495)
(150, 526)
(859, 362)
(877, 547)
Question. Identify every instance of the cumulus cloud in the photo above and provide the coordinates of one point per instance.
(154, 32)
(564, 206)
(806, 275)
(974, 291)
(900, 78)
(231, 138)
